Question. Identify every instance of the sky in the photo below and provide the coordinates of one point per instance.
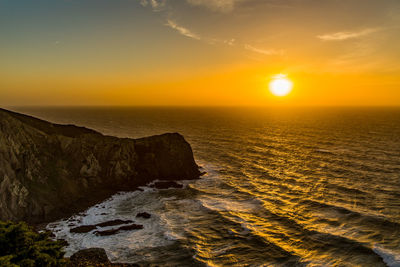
(199, 52)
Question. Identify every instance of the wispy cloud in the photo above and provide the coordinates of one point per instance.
(268, 52)
(341, 36)
(156, 5)
(230, 42)
(228, 5)
(217, 5)
(182, 30)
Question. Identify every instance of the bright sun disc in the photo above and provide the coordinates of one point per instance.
(280, 86)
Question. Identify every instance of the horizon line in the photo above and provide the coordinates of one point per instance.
(200, 106)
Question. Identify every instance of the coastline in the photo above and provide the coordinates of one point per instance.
(52, 171)
(88, 226)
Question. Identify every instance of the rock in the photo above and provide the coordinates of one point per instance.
(166, 185)
(64, 242)
(83, 229)
(106, 232)
(131, 227)
(90, 255)
(49, 171)
(88, 228)
(94, 257)
(144, 215)
(117, 230)
(51, 234)
(113, 223)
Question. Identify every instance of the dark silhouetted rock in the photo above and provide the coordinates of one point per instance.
(131, 227)
(90, 255)
(117, 230)
(143, 215)
(106, 232)
(63, 242)
(83, 229)
(94, 257)
(167, 184)
(49, 171)
(51, 234)
(113, 223)
(88, 228)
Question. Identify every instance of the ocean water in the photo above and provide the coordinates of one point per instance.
(284, 187)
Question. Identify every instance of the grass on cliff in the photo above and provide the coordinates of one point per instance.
(20, 245)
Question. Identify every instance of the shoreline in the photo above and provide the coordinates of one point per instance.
(109, 225)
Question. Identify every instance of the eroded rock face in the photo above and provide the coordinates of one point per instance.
(48, 170)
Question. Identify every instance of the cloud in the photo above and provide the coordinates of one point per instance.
(268, 52)
(156, 5)
(341, 36)
(188, 33)
(182, 30)
(228, 5)
(230, 42)
(216, 5)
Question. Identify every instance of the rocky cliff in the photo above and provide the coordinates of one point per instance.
(49, 170)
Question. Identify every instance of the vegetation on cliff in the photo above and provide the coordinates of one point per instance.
(20, 245)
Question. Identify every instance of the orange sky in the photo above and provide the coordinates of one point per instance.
(199, 52)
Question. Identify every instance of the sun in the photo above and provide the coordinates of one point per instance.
(280, 85)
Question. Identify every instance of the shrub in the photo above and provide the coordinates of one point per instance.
(20, 245)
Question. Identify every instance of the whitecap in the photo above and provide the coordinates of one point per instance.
(391, 258)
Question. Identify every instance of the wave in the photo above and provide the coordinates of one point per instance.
(391, 258)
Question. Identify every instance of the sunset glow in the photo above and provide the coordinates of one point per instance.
(280, 85)
(199, 53)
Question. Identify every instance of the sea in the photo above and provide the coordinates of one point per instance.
(283, 187)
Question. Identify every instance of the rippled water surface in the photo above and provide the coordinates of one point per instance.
(312, 187)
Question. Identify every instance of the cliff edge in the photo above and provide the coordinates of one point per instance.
(48, 170)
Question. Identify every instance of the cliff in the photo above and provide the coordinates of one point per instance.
(48, 170)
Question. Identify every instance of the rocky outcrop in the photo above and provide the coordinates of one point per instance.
(48, 170)
(144, 215)
(167, 185)
(88, 228)
(93, 257)
(114, 231)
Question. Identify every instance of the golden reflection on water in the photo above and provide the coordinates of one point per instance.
(289, 184)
